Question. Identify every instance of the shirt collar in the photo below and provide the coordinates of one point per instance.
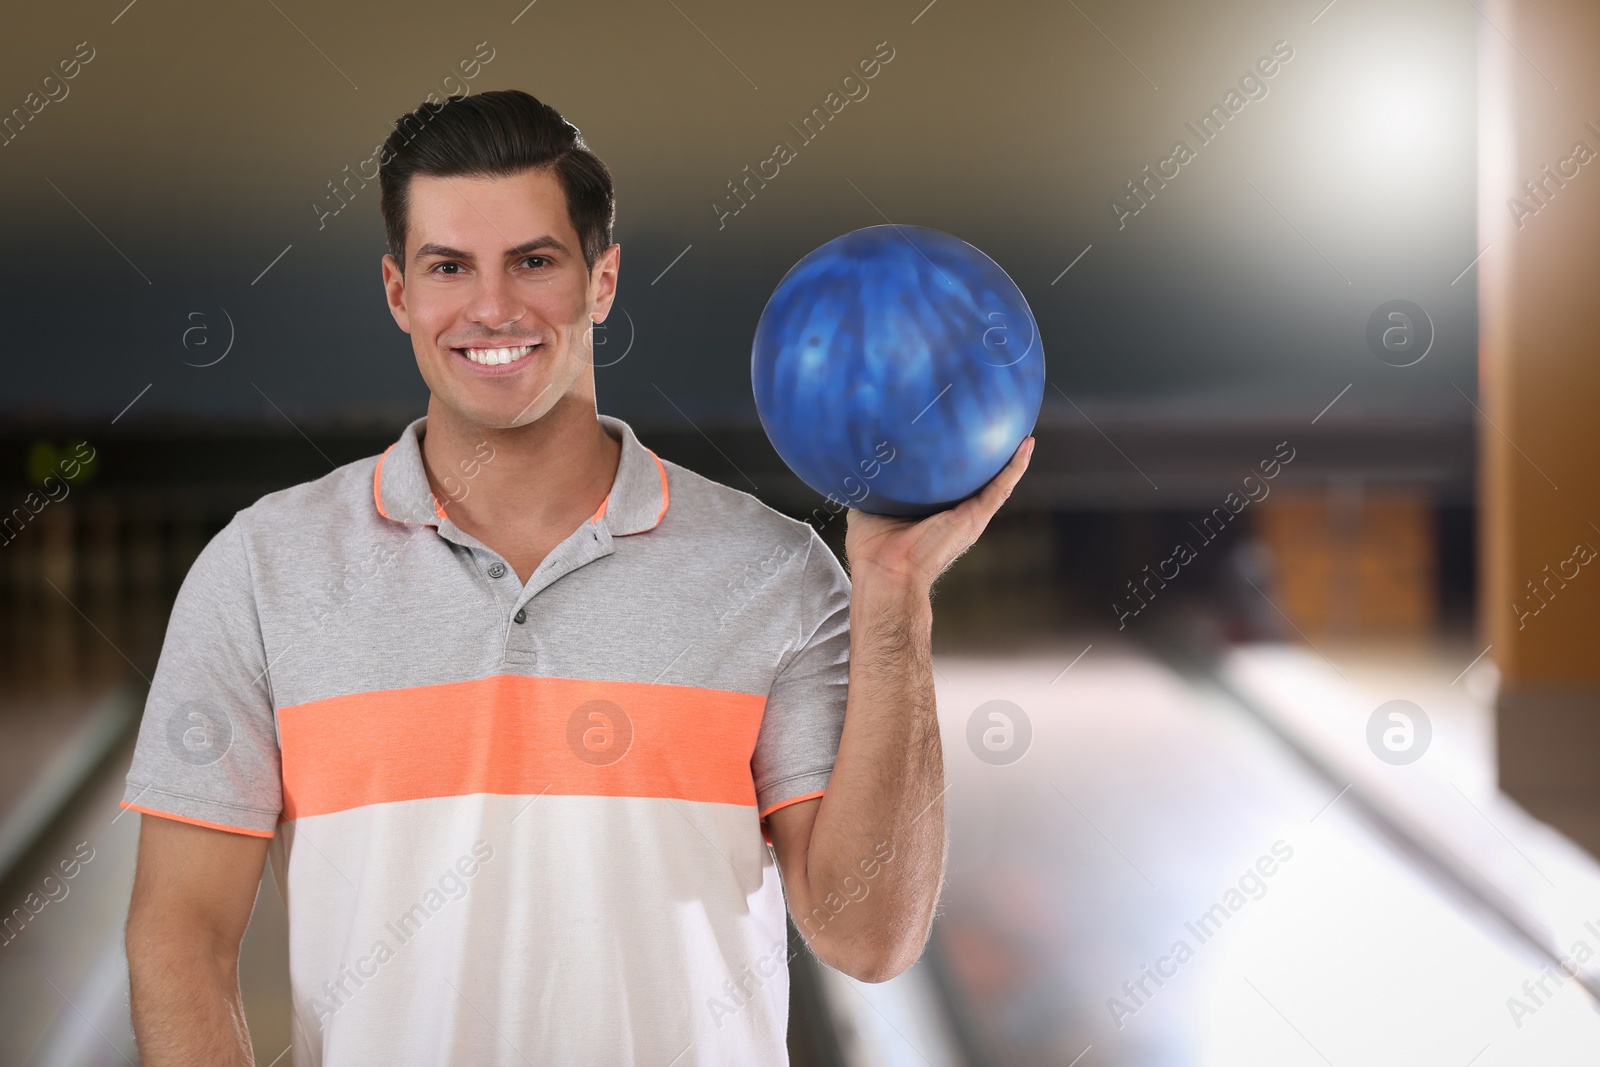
(638, 497)
(636, 503)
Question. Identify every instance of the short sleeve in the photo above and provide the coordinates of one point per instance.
(804, 717)
(208, 749)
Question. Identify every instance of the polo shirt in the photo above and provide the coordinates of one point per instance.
(512, 823)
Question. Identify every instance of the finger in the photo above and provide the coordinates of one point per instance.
(955, 529)
(970, 518)
(991, 496)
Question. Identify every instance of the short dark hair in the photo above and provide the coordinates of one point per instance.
(494, 134)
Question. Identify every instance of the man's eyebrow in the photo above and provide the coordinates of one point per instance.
(548, 241)
(440, 250)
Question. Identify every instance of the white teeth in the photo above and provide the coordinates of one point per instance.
(494, 357)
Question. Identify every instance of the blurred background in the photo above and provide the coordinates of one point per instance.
(194, 318)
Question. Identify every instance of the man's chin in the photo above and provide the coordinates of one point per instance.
(492, 415)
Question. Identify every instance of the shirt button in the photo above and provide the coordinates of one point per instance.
(497, 570)
(520, 617)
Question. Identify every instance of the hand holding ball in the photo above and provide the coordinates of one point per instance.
(897, 369)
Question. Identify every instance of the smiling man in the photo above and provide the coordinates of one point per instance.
(541, 731)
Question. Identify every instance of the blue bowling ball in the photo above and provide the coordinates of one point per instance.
(896, 369)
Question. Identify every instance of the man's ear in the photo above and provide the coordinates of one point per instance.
(394, 290)
(603, 281)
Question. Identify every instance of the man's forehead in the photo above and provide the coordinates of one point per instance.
(508, 208)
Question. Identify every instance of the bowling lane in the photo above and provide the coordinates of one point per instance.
(64, 975)
(1157, 881)
(1132, 822)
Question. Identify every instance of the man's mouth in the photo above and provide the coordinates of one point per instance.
(495, 357)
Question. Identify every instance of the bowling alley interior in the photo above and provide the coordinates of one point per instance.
(1269, 700)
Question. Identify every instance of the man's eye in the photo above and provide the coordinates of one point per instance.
(447, 268)
(535, 262)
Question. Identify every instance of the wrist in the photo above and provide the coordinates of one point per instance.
(878, 594)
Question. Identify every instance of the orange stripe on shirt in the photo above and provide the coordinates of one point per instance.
(664, 494)
(515, 735)
(197, 822)
(377, 482)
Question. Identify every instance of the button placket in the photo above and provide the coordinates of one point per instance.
(523, 645)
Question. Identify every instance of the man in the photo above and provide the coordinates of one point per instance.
(517, 706)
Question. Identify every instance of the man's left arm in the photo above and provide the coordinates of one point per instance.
(862, 865)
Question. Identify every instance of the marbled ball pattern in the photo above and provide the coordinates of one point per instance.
(902, 341)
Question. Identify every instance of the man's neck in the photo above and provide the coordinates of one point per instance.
(521, 491)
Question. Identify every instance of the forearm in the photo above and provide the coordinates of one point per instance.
(876, 854)
(187, 1010)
